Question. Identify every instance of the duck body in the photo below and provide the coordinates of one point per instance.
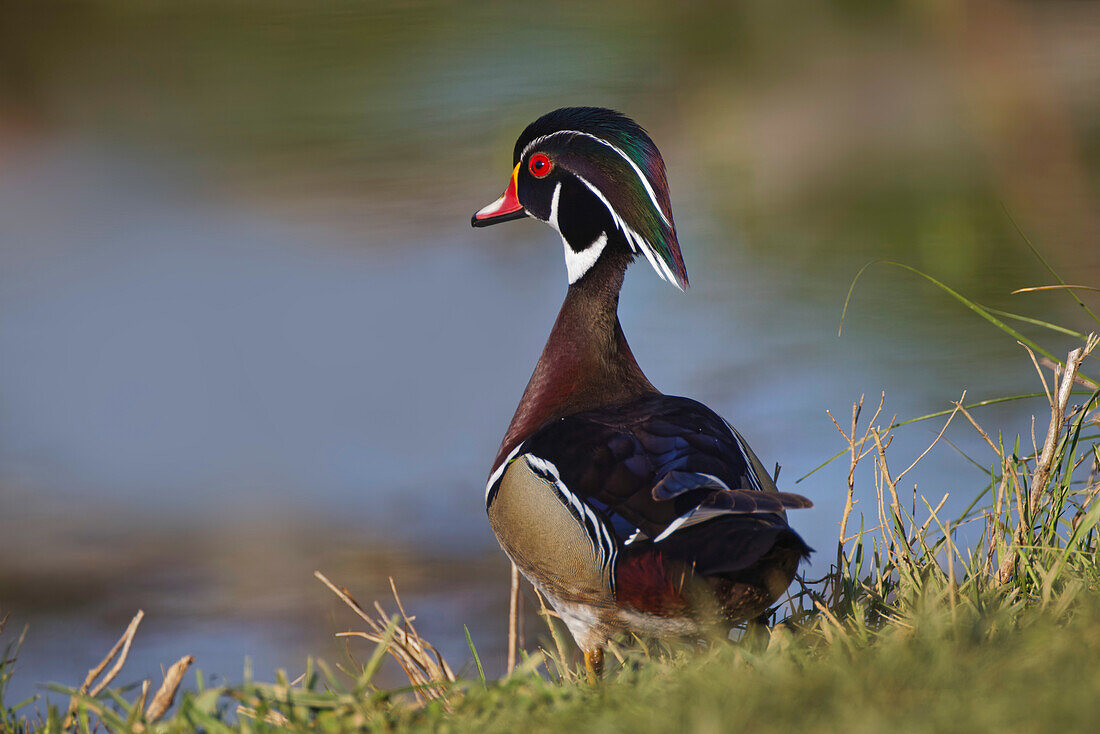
(627, 508)
(603, 538)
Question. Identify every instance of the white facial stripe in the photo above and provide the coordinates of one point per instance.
(576, 263)
(631, 236)
(635, 240)
(554, 208)
(628, 159)
(579, 263)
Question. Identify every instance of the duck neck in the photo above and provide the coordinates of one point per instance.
(586, 362)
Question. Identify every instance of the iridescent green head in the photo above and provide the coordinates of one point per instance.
(597, 178)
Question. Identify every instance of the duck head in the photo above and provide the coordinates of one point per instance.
(596, 177)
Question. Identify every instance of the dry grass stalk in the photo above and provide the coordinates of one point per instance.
(958, 405)
(932, 513)
(1086, 382)
(1042, 378)
(884, 469)
(950, 566)
(166, 694)
(140, 704)
(899, 548)
(422, 663)
(564, 671)
(118, 653)
(1041, 475)
(978, 428)
(855, 453)
(271, 717)
(513, 619)
(881, 505)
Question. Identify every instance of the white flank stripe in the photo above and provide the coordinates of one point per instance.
(499, 471)
(602, 540)
(641, 176)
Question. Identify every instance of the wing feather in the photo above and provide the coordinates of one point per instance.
(654, 465)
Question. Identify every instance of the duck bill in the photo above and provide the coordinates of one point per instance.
(504, 209)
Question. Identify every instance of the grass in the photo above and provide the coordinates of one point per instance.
(911, 629)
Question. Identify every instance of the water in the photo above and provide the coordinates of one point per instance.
(246, 331)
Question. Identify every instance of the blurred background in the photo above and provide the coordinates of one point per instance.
(246, 330)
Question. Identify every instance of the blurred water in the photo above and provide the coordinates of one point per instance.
(247, 332)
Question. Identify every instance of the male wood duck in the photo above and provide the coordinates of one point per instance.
(627, 508)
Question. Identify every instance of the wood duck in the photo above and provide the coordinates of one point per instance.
(627, 508)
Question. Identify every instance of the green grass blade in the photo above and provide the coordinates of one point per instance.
(981, 311)
(25, 702)
(965, 515)
(1035, 322)
(1040, 258)
(979, 404)
(473, 651)
(952, 444)
(822, 465)
(378, 655)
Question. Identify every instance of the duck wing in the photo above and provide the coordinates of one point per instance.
(651, 467)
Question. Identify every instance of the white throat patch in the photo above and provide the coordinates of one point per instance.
(576, 263)
(579, 263)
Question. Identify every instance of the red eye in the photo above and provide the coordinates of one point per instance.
(539, 165)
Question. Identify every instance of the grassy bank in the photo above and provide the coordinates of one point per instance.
(1025, 673)
(911, 629)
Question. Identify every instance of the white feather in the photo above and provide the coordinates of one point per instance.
(603, 541)
(641, 176)
(576, 263)
(635, 240)
(579, 263)
(554, 208)
(500, 470)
